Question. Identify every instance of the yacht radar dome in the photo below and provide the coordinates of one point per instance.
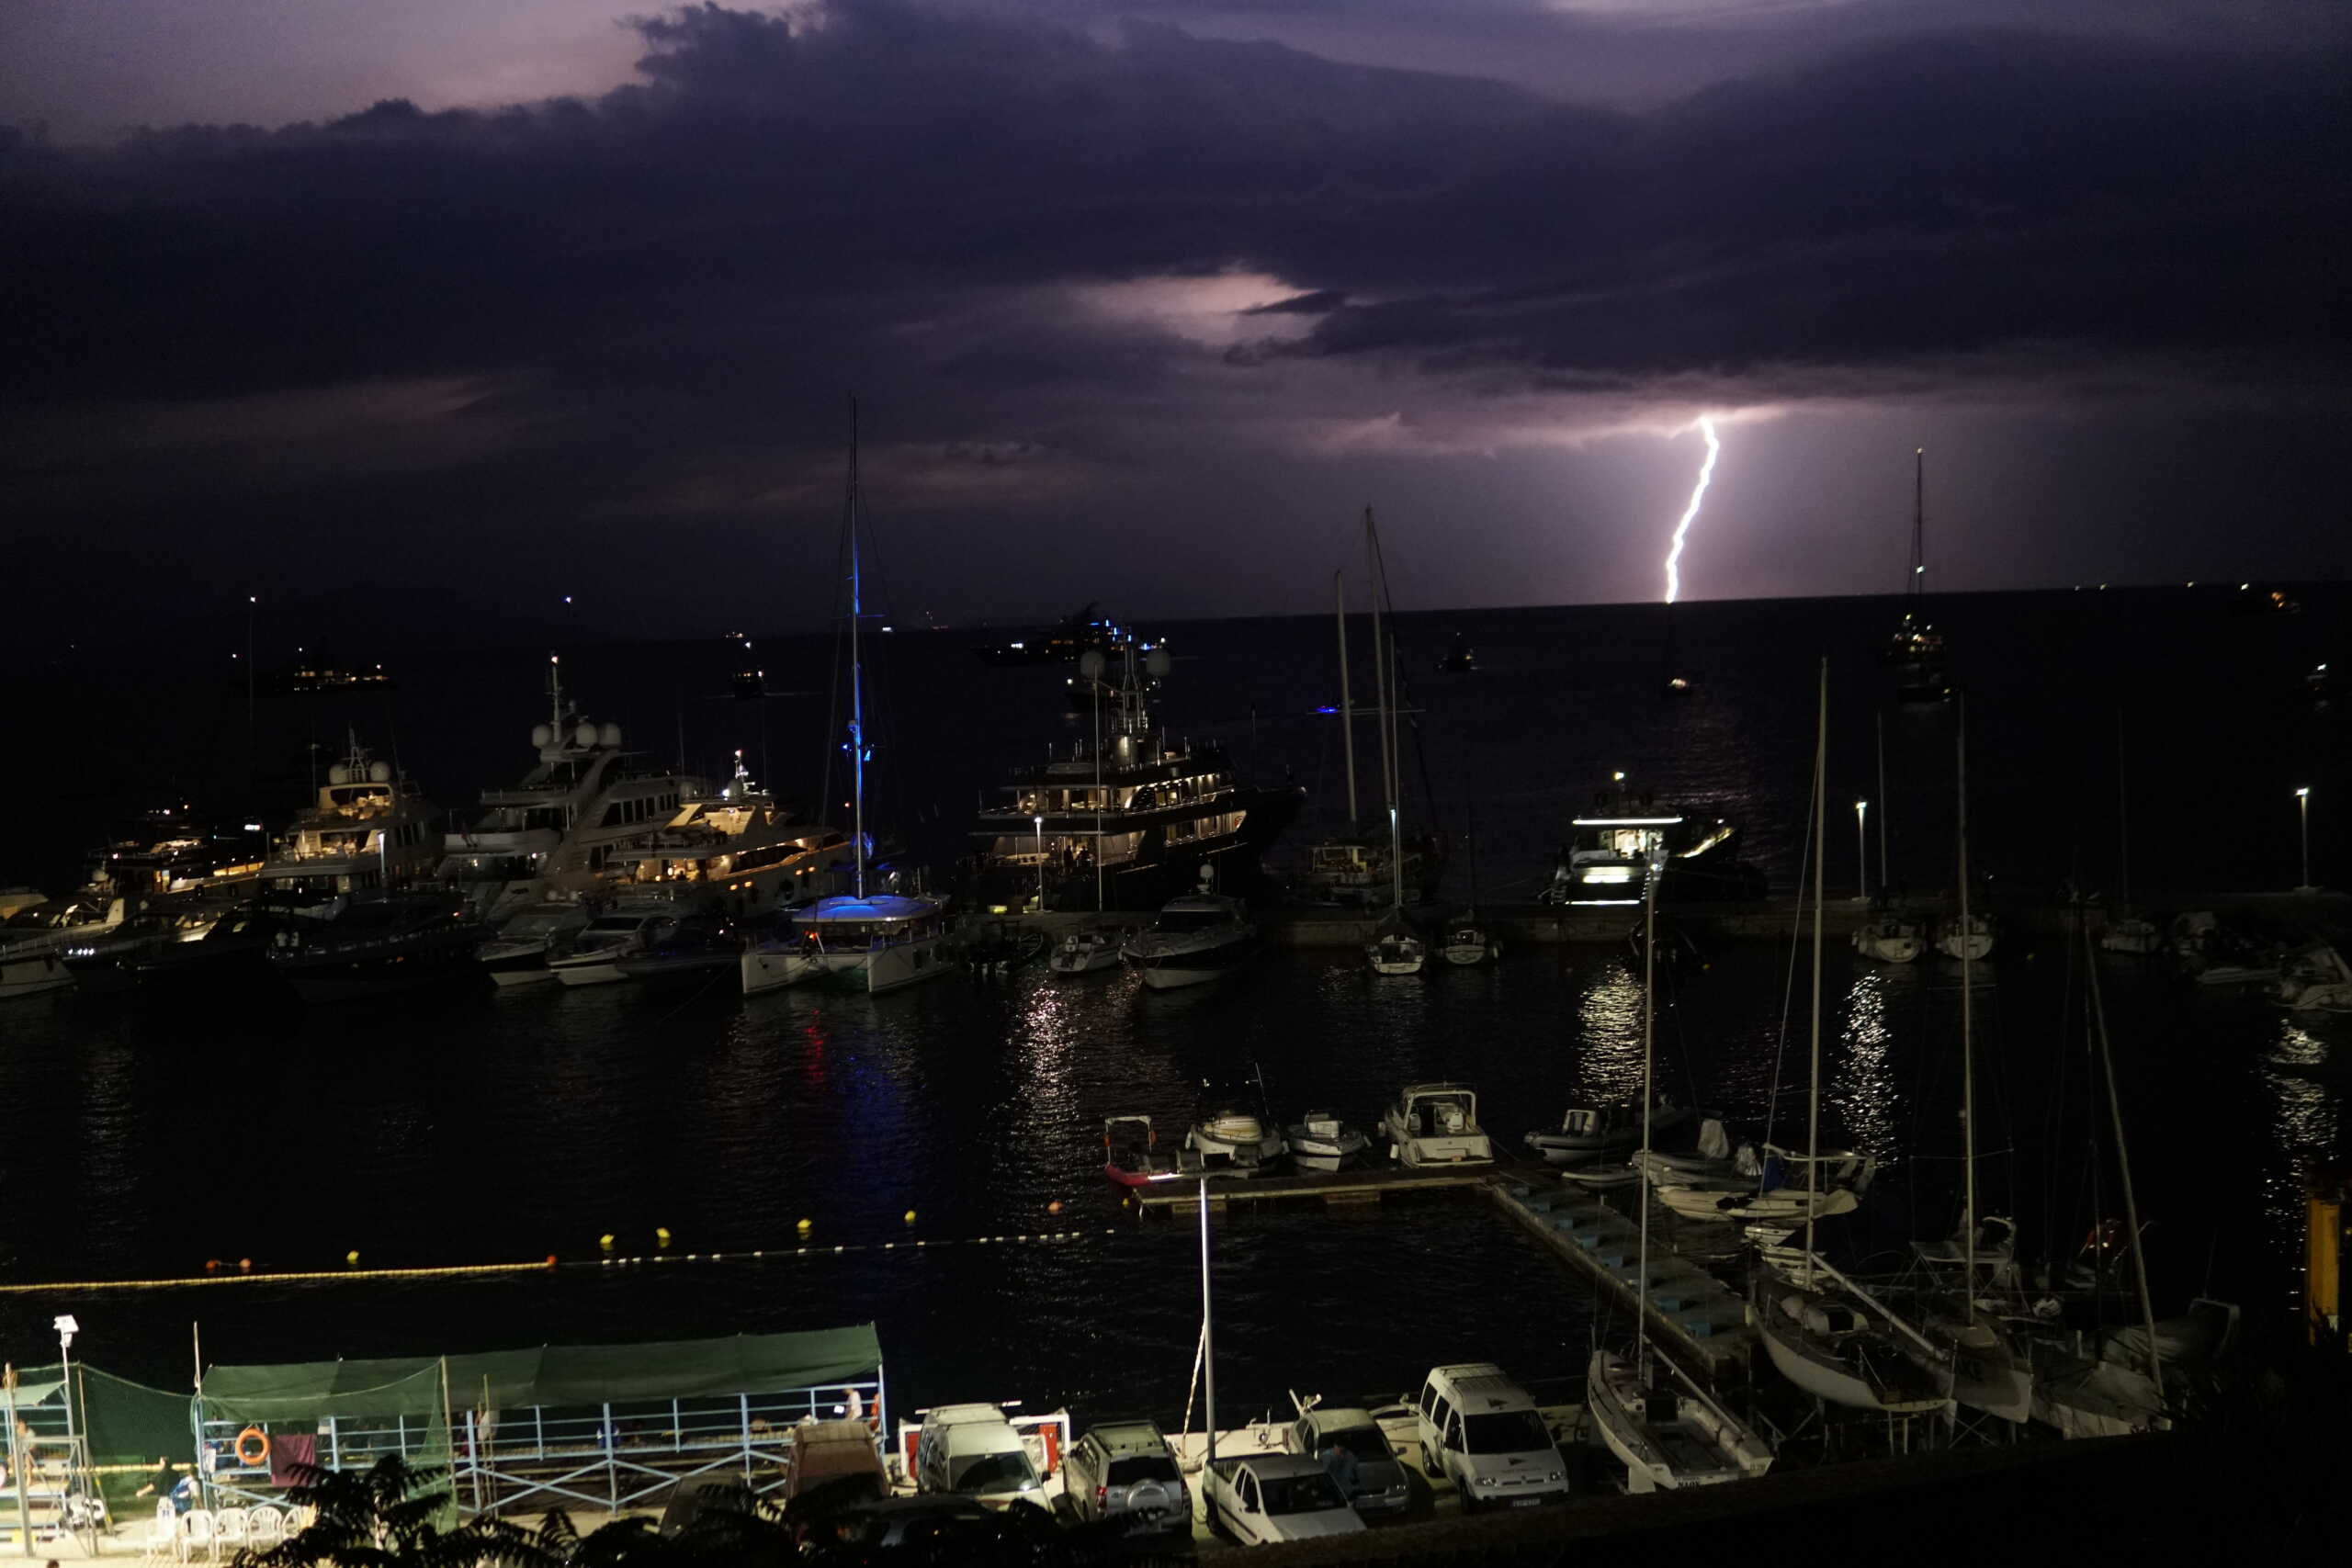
(1089, 664)
(339, 775)
(612, 735)
(586, 734)
(1156, 662)
(542, 735)
(380, 773)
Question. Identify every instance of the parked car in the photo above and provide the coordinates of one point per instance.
(1262, 1498)
(1125, 1470)
(699, 1496)
(880, 1529)
(838, 1452)
(971, 1451)
(1480, 1431)
(1379, 1485)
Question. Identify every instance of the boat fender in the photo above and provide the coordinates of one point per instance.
(253, 1447)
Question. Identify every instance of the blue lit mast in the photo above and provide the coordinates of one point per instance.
(856, 670)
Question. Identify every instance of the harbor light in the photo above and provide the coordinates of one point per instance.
(1862, 852)
(2304, 816)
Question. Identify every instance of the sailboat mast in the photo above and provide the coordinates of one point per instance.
(1649, 1027)
(2123, 1162)
(1820, 869)
(1381, 662)
(1347, 706)
(1967, 1036)
(1884, 880)
(2122, 822)
(1918, 525)
(856, 667)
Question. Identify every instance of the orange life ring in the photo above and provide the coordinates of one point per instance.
(253, 1459)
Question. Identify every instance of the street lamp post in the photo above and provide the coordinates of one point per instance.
(1040, 820)
(66, 1329)
(2303, 816)
(1862, 851)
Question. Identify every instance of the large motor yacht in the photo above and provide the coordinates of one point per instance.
(379, 944)
(737, 850)
(370, 830)
(172, 850)
(1126, 823)
(1614, 844)
(557, 831)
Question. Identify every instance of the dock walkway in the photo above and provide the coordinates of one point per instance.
(1691, 1313)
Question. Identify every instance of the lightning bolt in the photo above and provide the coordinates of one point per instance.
(1706, 426)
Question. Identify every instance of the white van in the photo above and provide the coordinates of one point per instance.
(1479, 1430)
(971, 1451)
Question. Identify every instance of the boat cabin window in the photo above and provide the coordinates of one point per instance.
(1505, 1432)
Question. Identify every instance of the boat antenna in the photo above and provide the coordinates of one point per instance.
(857, 668)
(1813, 1100)
(1919, 526)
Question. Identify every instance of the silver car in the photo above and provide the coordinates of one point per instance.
(1372, 1477)
(1124, 1471)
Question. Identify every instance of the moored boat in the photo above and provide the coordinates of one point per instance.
(1085, 952)
(379, 945)
(1890, 937)
(1436, 1124)
(1198, 938)
(1320, 1141)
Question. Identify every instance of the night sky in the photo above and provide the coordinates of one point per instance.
(457, 306)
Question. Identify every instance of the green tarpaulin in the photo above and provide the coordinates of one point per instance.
(551, 1376)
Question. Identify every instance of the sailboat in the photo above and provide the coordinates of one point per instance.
(1665, 1430)
(1916, 648)
(1830, 1348)
(871, 939)
(1350, 866)
(1396, 947)
(1466, 940)
(2129, 932)
(1970, 1358)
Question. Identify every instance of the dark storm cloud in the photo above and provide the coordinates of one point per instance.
(1051, 259)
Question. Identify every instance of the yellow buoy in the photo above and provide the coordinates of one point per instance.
(662, 1235)
(351, 1256)
(803, 1226)
(908, 1216)
(606, 1241)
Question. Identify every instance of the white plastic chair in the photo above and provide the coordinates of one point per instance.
(197, 1534)
(266, 1526)
(229, 1533)
(161, 1534)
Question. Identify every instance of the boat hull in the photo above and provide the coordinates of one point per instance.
(33, 974)
(764, 969)
(880, 969)
(589, 971)
(1192, 966)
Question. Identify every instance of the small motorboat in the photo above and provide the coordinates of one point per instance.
(1086, 952)
(2316, 977)
(2134, 934)
(518, 955)
(1322, 1141)
(1131, 1152)
(1590, 1131)
(1233, 1130)
(1890, 938)
(31, 974)
(1775, 1198)
(1198, 938)
(1437, 1124)
(1602, 1176)
(697, 951)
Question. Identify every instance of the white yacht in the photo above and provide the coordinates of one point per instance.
(519, 954)
(738, 851)
(1084, 952)
(1437, 1124)
(594, 953)
(556, 831)
(1198, 938)
(36, 938)
(1970, 938)
(368, 830)
(1610, 858)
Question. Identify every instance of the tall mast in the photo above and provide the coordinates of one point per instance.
(1381, 662)
(1919, 524)
(1649, 1025)
(2123, 1162)
(2122, 824)
(1820, 868)
(856, 670)
(1884, 879)
(1967, 1036)
(1347, 706)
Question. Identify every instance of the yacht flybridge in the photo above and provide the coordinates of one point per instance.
(1616, 843)
(368, 830)
(737, 848)
(1129, 821)
(557, 831)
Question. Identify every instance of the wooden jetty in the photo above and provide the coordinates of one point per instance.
(1365, 1186)
(1694, 1315)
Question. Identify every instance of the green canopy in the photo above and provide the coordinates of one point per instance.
(550, 1375)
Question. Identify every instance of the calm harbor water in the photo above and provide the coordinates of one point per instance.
(512, 1126)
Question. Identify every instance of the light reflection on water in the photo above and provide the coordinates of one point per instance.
(1861, 1074)
(2307, 1121)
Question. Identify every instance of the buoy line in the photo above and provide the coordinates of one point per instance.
(544, 1265)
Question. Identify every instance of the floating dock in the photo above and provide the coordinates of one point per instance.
(1691, 1313)
(1366, 1186)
